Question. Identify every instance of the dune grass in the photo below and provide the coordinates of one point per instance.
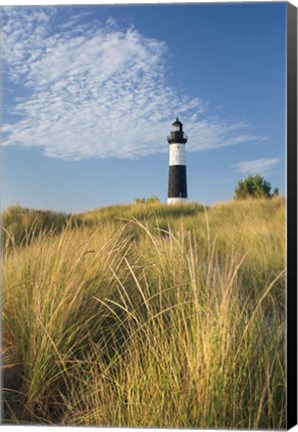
(149, 316)
(22, 225)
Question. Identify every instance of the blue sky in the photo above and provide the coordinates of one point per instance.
(90, 94)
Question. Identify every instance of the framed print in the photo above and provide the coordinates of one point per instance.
(149, 215)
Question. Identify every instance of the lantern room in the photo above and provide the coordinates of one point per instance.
(177, 134)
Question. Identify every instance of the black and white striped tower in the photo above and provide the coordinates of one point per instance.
(177, 190)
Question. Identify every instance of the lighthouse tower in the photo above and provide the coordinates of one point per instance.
(177, 190)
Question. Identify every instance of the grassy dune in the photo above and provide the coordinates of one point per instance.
(148, 316)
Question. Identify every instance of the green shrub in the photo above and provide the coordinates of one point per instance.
(152, 200)
(254, 187)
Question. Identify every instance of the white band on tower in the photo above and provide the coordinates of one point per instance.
(177, 154)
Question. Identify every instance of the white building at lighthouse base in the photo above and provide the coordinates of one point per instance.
(177, 200)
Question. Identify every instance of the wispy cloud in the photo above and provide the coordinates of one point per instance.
(98, 90)
(257, 166)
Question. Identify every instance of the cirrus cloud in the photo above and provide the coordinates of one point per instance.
(257, 166)
(95, 90)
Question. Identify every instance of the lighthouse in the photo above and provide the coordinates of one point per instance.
(177, 189)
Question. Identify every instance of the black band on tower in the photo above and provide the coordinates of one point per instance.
(177, 182)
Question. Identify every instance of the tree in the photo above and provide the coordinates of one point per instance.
(275, 192)
(254, 187)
